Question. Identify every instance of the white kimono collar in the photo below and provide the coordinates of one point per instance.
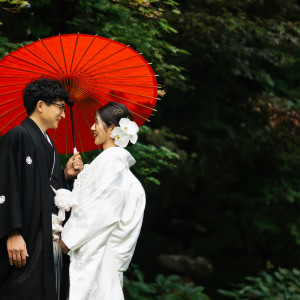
(126, 155)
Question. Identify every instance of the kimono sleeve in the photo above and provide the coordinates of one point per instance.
(100, 206)
(10, 200)
(125, 235)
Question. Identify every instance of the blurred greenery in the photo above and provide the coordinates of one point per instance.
(150, 159)
(280, 285)
(163, 288)
(220, 160)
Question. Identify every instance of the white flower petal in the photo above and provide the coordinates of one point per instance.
(117, 131)
(124, 122)
(122, 141)
(133, 138)
(125, 133)
(129, 126)
(133, 128)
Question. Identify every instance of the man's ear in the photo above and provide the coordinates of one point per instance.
(39, 106)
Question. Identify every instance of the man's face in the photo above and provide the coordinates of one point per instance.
(53, 113)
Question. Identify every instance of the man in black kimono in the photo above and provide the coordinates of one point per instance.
(29, 165)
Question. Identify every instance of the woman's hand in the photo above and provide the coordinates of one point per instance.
(64, 248)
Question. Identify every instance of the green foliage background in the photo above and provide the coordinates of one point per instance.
(220, 159)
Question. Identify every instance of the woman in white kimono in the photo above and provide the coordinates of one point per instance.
(102, 231)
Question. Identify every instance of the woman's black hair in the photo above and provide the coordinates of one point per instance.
(45, 89)
(113, 112)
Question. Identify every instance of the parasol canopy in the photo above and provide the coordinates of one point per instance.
(95, 70)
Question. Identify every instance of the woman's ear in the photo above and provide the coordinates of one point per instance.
(110, 129)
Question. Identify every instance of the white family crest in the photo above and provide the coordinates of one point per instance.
(2, 199)
(28, 160)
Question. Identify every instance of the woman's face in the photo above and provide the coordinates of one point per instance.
(100, 131)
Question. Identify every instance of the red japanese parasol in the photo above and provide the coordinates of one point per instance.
(94, 69)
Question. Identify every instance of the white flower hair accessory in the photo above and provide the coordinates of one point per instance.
(127, 131)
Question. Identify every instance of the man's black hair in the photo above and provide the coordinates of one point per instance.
(45, 89)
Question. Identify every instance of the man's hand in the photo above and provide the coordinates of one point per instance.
(64, 248)
(16, 248)
(73, 167)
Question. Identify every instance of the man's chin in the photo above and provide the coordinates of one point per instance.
(54, 126)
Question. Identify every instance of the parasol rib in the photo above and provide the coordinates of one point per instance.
(26, 77)
(29, 71)
(11, 100)
(91, 113)
(129, 101)
(93, 104)
(57, 72)
(152, 109)
(109, 101)
(75, 74)
(100, 61)
(11, 92)
(92, 116)
(87, 123)
(31, 64)
(117, 62)
(86, 50)
(122, 69)
(80, 88)
(138, 85)
(89, 110)
(63, 53)
(75, 48)
(10, 110)
(131, 111)
(53, 57)
(130, 93)
(140, 116)
(134, 76)
(12, 120)
(12, 84)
